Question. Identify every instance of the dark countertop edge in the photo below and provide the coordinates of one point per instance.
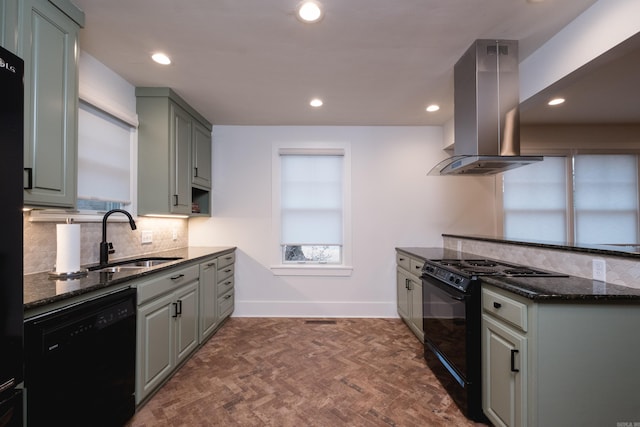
(531, 291)
(604, 250)
(200, 253)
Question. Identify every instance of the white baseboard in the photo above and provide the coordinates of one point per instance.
(367, 309)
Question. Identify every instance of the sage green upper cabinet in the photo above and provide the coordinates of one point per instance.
(169, 134)
(45, 34)
(201, 157)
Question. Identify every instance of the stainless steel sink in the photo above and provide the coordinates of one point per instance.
(134, 264)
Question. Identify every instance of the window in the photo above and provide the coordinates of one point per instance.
(311, 215)
(104, 158)
(597, 205)
(535, 201)
(606, 199)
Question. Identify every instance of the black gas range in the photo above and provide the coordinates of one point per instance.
(452, 317)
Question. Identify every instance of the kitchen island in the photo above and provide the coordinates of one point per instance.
(558, 350)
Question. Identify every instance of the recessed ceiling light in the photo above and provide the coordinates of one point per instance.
(433, 108)
(309, 11)
(161, 58)
(316, 102)
(556, 101)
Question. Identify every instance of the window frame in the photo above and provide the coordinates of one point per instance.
(278, 267)
(570, 213)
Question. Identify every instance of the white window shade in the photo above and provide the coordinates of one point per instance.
(606, 199)
(104, 159)
(535, 201)
(311, 199)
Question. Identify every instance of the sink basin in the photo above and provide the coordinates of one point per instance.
(119, 268)
(134, 264)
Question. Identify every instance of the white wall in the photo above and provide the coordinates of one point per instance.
(600, 28)
(394, 203)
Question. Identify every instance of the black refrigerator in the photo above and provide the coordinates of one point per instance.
(11, 269)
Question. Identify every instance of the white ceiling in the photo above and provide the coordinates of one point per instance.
(251, 62)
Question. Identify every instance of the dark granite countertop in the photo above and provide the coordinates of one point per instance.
(40, 290)
(560, 289)
(619, 250)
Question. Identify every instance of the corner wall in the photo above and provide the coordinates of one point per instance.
(394, 203)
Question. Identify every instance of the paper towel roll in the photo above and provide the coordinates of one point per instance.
(68, 252)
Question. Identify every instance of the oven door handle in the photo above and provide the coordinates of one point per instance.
(457, 298)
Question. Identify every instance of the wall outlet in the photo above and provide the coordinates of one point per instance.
(146, 236)
(175, 234)
(599, 270)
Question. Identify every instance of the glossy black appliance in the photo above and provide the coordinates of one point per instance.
(11, 299)
(80, 363)
(452, 321)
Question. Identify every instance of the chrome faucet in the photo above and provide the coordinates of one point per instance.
(106, 248)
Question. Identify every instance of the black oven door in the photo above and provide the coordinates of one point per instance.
(445, 326)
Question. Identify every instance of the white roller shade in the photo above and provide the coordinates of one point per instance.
(104, 146)
(606, 198)
(311, 198)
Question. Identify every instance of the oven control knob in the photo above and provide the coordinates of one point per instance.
(458, 281)
(451, 278)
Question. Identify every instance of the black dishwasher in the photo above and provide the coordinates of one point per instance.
(80, 363)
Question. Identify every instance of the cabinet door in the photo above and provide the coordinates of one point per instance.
(504, 374)
(49, 46)
(208, 298)
(403, 293)
(416, 305)
(187, 321)
(201, 169)
(155, 344)
(180, 177)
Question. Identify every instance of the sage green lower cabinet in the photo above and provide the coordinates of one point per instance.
(167, 326)
(409, 292)
(208, 298)
(225, 289)
(559, 362)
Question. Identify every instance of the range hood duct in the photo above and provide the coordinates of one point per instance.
(486, 112)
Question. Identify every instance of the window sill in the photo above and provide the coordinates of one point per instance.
(312, 270)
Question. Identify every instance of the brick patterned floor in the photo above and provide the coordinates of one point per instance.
(294, 372)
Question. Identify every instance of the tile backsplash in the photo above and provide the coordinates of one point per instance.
(619, 270)
(40, 240)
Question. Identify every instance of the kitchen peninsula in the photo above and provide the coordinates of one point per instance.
(555, 349)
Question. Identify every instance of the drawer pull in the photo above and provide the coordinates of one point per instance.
(211, 264)
(227, 283)
(179, 276)
(228, 270)
(401, 259)
(228, 258)
(496, 304)
(513, 361)
(227, 297)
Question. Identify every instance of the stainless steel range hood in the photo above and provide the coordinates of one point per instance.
(486, 112)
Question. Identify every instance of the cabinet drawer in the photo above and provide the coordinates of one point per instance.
(403, 261)
(227, 259)
(505, 308)
(224, 272)
(225, 285)
(416, 267)
(168, 282)
(225, 304)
